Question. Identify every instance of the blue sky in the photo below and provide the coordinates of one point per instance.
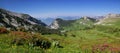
(51, 8)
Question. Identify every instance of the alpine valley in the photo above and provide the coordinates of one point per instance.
(22, 33)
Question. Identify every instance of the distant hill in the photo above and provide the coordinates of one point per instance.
(86, 22)
(81, 23)
(110, 20)
(60, 23)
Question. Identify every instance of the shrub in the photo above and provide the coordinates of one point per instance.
(3, 30)
(99, 48)
(21, 38)
(115, 50)
(73, 35)
(105, 47)
(56, 43)
(41, 41)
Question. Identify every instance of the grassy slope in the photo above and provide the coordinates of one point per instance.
(84, 40)
(112, 21)
(80, 24)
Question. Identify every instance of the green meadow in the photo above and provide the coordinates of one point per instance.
(99, 39)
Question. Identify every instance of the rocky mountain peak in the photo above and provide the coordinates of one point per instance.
(11, 19)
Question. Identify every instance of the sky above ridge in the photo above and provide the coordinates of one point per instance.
(52, 8)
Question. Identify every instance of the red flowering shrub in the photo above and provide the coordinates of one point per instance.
(3, 30)
(115, 49)
(21, 38)
(104, 47)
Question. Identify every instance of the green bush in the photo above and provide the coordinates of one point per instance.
(41, 42)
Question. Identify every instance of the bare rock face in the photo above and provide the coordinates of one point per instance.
(54, 25)
(10, 19)
(110, 15)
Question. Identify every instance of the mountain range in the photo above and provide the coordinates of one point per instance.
(72, 24)
(13, 20)
(86, 22)
(16, 21)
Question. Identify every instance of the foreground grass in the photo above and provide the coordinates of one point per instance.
(7, 47)
(96, 40)
(85, 42)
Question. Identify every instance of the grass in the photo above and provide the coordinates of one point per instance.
(7, 47)
(83, 41)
